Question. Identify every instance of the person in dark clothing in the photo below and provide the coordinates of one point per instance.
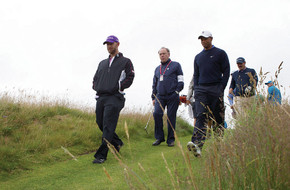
(243, 85)
(211, 74)
(113, 75)
(167, 83)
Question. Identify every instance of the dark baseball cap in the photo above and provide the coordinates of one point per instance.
(111, 39)
(241, 60)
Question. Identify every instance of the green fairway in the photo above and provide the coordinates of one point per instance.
(82, 174)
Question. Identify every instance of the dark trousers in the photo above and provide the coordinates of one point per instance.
(107, 114)
(209, 107)
(172, 103)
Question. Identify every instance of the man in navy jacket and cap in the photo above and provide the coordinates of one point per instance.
(167, 83)
(243, 85)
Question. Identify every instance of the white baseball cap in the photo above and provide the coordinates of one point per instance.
(205, 34)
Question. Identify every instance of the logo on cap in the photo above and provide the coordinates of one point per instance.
(111, 39)
(205, 34)
(241, 60)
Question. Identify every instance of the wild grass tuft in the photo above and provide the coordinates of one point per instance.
(255, 154)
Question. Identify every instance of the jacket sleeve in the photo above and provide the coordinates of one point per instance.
(233, 83)
(95, 79)
(130, 74)
(195, 74)
(154, 86)
(225, 69)
(256, 78)
(180, 78)
(190, 89)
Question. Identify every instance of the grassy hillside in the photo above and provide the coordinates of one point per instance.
(33, 134)
(51, 145)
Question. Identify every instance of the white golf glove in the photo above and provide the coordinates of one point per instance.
(248, 90)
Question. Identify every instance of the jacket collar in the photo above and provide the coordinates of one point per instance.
(165, 63)
(118, 55)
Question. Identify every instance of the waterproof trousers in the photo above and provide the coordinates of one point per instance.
(210, 112)
(107, 114)
(171, 102)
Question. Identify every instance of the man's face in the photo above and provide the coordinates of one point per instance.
(112, 47)
(164, 55)
(206, 42)
(241, 66)
(269, 84)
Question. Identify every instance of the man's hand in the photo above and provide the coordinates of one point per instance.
(153, 102)
(248, 90)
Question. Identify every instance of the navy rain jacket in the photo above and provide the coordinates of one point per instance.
(172, 79)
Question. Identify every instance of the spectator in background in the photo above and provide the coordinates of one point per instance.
(244, 82)
(274, 95)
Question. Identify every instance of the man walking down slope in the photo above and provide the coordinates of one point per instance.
(211, 74)
(167, 83)
(114, 74)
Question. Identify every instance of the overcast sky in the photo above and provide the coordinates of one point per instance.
(54, 47)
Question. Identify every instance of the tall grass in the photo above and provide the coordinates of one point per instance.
(33, 133)
(253, 155)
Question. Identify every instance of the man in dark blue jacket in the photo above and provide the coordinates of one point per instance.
(114, 74)
(167, 83)
(211, 74)
(244, 81)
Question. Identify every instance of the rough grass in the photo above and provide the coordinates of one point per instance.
(33, 133)
(38, 140)
(255, 155)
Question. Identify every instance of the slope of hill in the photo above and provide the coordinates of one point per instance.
(51, 145)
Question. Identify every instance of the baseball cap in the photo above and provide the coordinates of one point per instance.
(241, 60)
(205, 34)
(111, 39)
(269, 82)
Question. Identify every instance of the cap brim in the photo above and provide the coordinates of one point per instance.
(204, 36)
(109, 42)
(269, 82)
